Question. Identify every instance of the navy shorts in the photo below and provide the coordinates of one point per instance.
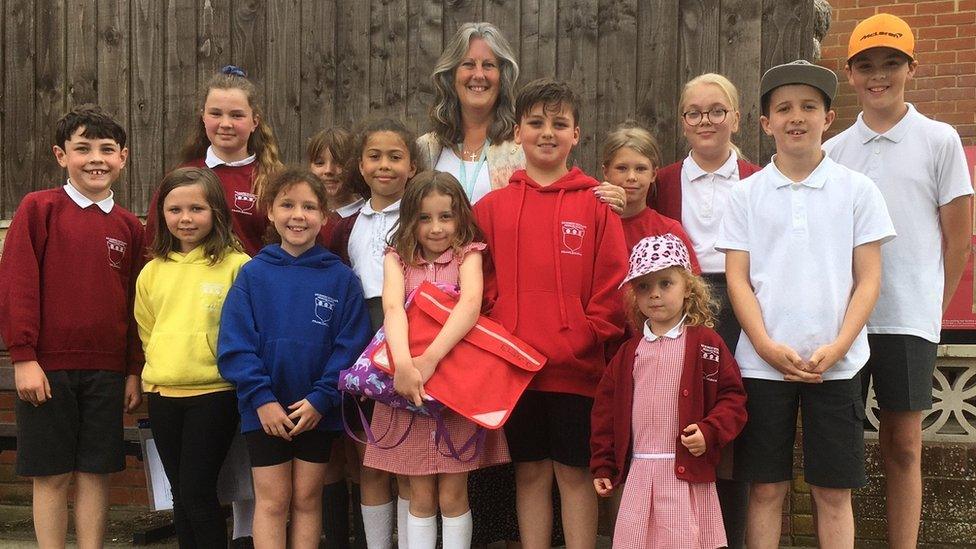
(552, 426)
(78, 429)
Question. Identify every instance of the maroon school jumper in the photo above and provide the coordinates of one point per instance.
(666, 198)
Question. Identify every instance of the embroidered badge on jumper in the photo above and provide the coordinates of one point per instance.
(116, 251)
(710, 354)
(324, 307)
(213, 293)
(244, 202)
(573, 234)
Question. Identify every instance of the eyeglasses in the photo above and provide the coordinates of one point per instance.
(714, 116)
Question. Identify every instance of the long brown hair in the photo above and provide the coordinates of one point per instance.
(221, 238)
(700, 307)
(262, 142)
(404, 237)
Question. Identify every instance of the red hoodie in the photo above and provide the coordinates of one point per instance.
(558, 255)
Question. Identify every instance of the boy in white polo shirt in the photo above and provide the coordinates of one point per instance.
(802, 239)
(920, 167)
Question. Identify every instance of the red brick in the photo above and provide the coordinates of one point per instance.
(966, 30)
(967, 130)
(966, 56)
(956, 93)
(957, 18)
(836, 4)
(937, 57)
(954, 118)
(918, 96)
(966, 81)
(956, 68)
(935, 7)
(919, 21)
(856, 14)
(967, 5)
(966, 43)
(935, 83)
(947, 31)
(925, 69)
(833, 52)
(900, 10)
(925, 45)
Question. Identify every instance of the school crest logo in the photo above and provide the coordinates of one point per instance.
(213, 293)
(573, 234)
(324, 307)
(710, 368)
(244, 202)
(116, 251)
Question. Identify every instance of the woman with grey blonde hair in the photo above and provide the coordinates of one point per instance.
(473, 116)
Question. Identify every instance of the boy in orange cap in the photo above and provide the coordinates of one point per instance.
(919, 165)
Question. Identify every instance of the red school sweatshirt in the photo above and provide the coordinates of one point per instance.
(711, 395)
(557, 257)
(67, 285)
(248, 222)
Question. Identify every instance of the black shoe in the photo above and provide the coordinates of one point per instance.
(246, 542)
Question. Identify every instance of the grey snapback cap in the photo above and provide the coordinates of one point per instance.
(799, 72)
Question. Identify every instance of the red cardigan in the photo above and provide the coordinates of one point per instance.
(666, 198)
(711, 396)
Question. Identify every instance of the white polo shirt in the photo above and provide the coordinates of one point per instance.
(368, 243)
(704, 198)
(801, 239)
(919, 165)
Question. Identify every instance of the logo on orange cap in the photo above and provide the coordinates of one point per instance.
(882, 31)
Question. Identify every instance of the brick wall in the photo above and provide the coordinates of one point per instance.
(944, 86)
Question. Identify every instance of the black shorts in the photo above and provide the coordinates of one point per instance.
(312, 446)
(833, 432)
(552, 426)
(78, 429)
(901, 367)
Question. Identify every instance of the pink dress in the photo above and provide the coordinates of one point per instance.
(418, 455)
(658, 509)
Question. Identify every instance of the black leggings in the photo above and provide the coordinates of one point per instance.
(192, 436)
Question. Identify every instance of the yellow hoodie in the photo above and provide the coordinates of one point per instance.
(178, 305)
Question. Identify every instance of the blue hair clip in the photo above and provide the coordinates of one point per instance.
(235, 70)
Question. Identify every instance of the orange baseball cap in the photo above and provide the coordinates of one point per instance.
(882, 31)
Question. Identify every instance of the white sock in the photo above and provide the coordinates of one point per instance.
(403, 510)
(243, 518)
(457, 531)
(422, 532)
(378, 523)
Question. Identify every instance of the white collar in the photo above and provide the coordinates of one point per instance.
(816, 179)
(368, 210)
(726, 170)
(896, 133)
(212, 160)
(351, 208)
(83, 201)
(673, 333)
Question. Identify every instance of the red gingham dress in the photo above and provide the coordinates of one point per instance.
(658, 509)
(418, 455)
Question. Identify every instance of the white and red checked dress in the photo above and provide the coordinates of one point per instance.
(659, 510)
(418, 454)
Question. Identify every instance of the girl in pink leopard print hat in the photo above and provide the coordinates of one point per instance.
(668, 402)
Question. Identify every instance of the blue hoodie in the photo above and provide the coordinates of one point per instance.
(289, 324)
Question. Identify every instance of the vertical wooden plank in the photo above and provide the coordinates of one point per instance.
(318, 67)
(145, 101)
(18, 103)
(49, 90)
(388, 57)
(424, 47)
(657, 73)
(741, 46)
(786, 36)
(249, 41)
(459, 12)
(352, 48)
(616, 95)
(112, 52)
(507, 16)
(576, 64)
(698, 48)
(6, 206)
(213, 39)
(82, 62)
(179, 76)
(538, 49)
(283, 75)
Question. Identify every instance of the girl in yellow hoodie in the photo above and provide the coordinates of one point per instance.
(179, 295)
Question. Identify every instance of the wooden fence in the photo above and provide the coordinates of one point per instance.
(327, 62)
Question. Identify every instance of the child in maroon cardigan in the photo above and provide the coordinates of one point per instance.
(667, 403)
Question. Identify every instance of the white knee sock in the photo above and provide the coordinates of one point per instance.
(243, 518)
(457, 531)
(378, 523)
(422, 532)
(403, 510)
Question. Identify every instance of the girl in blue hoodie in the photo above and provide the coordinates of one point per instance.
(294, 317)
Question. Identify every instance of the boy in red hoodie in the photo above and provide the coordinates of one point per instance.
(558, 255)
(67, 283)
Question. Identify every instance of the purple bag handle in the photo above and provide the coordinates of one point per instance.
(477, 440)
(370, 437)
